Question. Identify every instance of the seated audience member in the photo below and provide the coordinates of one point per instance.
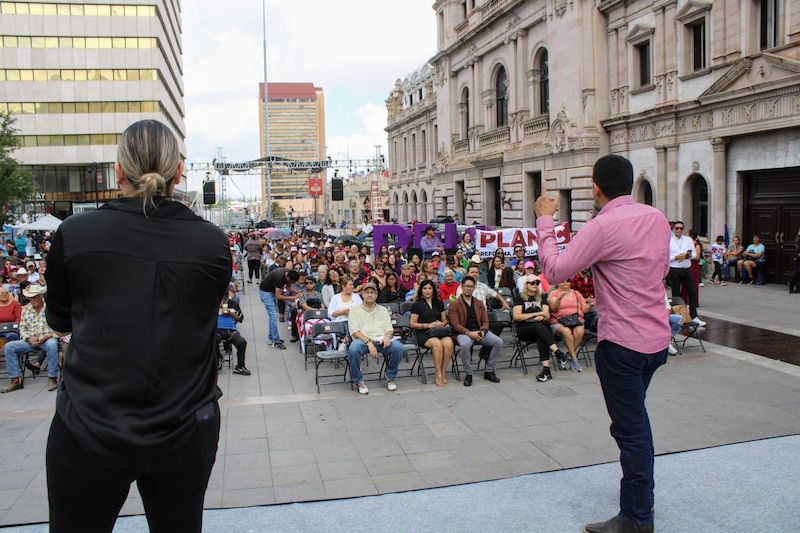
(482, 291)
(449, 289)
(309, 299)
(34, 332)
(408, 278)
(357, 274)
(341, 303)
(469, 322)
(371, 332)
(229, 315)
(752, 258)
(428, 313)
(676, 320)
(532, 316)
(567, 310)
(731, 259)
(10, 311)
(583, 282)
(393, 292)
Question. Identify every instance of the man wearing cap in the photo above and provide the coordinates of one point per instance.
(270, 291)
(35, 333)
(33, 275)
(430, 242)
(371, 330)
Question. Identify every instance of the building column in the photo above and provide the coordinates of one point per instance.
(673, 179)
(662, 184)
(719, 205)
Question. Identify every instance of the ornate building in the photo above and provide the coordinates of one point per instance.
(703, 97)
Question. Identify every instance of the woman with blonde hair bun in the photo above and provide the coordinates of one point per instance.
(138, 395)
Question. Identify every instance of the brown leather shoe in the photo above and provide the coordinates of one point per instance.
(16, 383)
(52, 384)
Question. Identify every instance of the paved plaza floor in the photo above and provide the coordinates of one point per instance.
(281, 442)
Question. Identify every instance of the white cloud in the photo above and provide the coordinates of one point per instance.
(353, 49)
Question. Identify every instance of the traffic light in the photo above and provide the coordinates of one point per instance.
(337, 190)
(210, 192)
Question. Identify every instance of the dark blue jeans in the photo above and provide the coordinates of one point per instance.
(624, 376)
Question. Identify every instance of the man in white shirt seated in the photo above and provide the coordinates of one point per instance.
(371, 331)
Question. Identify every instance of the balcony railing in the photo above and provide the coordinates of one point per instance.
(462, 28)
(500, 136)
(461, 146)
(536, 128)
(489, 7)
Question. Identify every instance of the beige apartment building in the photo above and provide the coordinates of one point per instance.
(703, 97)
(296, 131)
(75, 75)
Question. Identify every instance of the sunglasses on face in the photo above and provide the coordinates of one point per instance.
(678, 228)
(534, 283)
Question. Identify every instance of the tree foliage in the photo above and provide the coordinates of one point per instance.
(278, 211)
(16, 185)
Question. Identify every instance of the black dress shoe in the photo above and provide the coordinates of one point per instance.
(617, 525)
(468, 380)
(489, 376)
(294, 339)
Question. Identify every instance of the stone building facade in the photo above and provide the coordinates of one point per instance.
(703, 97)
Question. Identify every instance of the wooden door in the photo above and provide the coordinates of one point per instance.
(772, 211)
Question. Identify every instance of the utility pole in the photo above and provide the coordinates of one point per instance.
(266, 114)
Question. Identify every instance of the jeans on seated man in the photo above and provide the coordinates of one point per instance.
(35, 333)
(371, 330)
(229, 314)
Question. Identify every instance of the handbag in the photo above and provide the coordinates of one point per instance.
(440, 332)
(570, 321)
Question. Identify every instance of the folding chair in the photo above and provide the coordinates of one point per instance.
(583, 348)
(8, 327)
(321, 334)
(501, 320)
(405, 307)
(393, 307)
(689, 330)
(310, 314)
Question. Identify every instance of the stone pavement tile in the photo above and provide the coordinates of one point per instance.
(336, 452)
(300, 456)
(378, 466)
(18, 479)
(133, 505)
(361, 425)
(308, 491)
(349, 487)
(239, 446)
(342, 469)
(40, 479)
(378, 447)
(290, 443)
(412, 431)
(285, 429)
(283, 412)
(247, 461)
(399, 482)
(489, 471)
(8, 497)
(333, 439)
(33, 459)
(414, 445)
(445, 477)
(511, 451)
(396, 418)
(433, 460)
(295, 474)
(247, 479)
(449, 428)
(477, 457)
(242, 429)
(325, 427)
(422, 402)
(16, 431)
(213, 498)
(247, 497)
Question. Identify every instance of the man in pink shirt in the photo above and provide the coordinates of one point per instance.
(633, 331)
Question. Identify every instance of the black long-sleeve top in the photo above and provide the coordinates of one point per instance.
(140, 295)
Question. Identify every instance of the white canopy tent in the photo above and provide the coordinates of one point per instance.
(46, 223)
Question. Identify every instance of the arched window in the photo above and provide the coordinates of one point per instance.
(544, 84)
(501, 95)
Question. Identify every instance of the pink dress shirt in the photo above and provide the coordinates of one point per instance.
(627, 246)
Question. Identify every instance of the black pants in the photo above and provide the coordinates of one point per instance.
(253, 268)
(794, 285)
(538, 332)
(235, 338)
(86, 494)
(678, 276)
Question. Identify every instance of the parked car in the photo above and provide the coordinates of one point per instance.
(442, 219)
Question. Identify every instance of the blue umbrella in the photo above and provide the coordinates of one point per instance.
(278, 233)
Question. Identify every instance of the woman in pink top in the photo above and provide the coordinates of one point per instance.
(563, 302)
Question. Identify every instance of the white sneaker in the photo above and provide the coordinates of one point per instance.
(702, 284)
(699, 322)
(672, 350)
(391, 385)
(362, 389)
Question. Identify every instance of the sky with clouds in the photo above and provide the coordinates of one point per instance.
(353, 49)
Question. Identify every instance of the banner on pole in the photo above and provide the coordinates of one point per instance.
(488, 241)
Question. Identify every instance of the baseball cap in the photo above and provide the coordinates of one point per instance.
(434, 253)
(530, 264)
(476, 258)
(369, 285)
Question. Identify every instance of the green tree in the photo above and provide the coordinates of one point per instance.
(278, 211)
(16, 185)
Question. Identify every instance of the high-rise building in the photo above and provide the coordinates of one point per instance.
(75, 75)
(296, 131)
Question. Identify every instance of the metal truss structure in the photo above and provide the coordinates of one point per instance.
(277, 164)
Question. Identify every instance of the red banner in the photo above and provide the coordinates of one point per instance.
(315, 187)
